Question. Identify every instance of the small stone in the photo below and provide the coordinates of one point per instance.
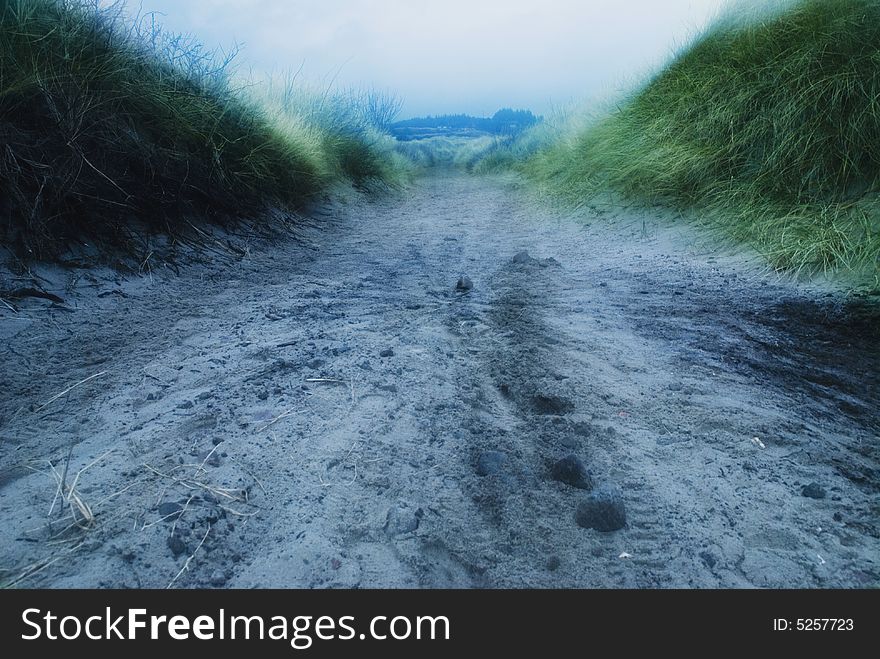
(388, 352)
(176, 545)
(401, 520)
(491, 462)
(186, 405)
(571, 471)
(569, 441)
(315, 363)
(813, 491)
(708, 559)
(838, 517)
(464, 285)
(218, 578)
(522, 257)
(262, 394)
(603, 510)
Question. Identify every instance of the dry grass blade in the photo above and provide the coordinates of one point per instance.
(69, 389)
(278, 418)
(192, 484)
(348, 383)
(31, 570)
(82, 513)
(189, 559)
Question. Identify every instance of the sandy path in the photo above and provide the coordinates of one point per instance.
(619, 343)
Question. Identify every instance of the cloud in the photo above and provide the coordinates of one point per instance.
(451, 55)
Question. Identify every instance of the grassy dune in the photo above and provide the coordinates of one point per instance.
(113, 129)
(767, 128)
(443, 152)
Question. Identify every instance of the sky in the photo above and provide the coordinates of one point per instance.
(450, 56)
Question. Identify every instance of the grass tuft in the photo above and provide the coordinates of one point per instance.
(112, 129)
(767, 128)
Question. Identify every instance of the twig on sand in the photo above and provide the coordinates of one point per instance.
(34, 568)
(69, 389)
(193, 484)
(62, 482)
(208, 457)
(8, 306)
(350, 384)
(189, 560)
(82, 514)
(249, 473)
(182, 513)
(278, 418)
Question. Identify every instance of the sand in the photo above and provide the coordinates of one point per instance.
(328, 410)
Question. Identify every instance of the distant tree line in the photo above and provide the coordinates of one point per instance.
(504, 122)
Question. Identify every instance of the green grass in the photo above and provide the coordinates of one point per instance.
(767, 128)
(112, 129)
(444, 152)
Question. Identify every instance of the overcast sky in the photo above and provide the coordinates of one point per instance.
(446, 56)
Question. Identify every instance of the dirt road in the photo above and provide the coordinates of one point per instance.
(331, 412)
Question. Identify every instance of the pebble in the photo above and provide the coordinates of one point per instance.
(388, 352)
(176, 544)
(709, 559)
(522, 257)
(813, 491)
(603, 510)
(491, 462)
(569, 441)
(464, 285)
(218, 578)
(401, 520)
(571, 471)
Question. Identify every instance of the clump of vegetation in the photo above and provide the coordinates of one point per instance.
(113, 129)
(767, 127)
(445, 152)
